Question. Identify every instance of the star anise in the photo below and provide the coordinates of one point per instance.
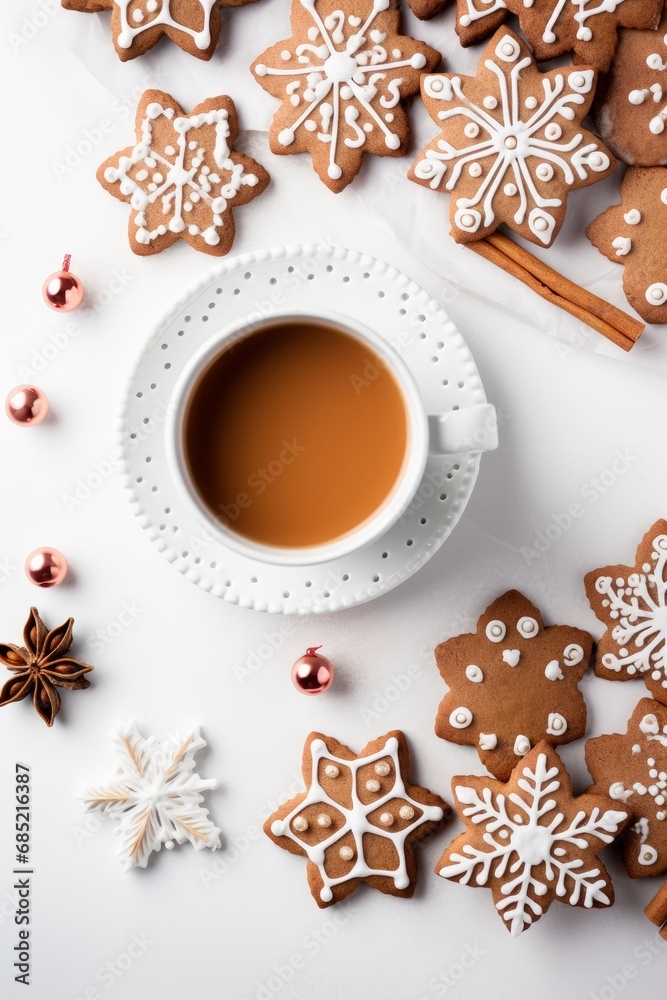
(42, 665)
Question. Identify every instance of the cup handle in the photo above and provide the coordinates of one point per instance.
(470, 429)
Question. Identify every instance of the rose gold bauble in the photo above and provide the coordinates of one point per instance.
(312, 673)
(26, 405)
(46, 567)
(62, 290)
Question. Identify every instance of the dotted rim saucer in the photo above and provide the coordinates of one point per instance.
(299, 279)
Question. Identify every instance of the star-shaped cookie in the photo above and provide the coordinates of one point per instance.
(632, 769)
(632, 602)
(631, 100)
(634, 234)
(511, 145)
(588, 28)
(358, 818)
(341, 78)
(512, 683)
(531, 841)
(136, 25)
(182, 177)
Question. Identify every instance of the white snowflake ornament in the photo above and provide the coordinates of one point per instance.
(157, 798)
(511, 144)
(531, 841)
(632, 603)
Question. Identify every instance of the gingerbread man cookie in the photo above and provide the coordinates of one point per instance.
(632, 768)
(631, 100)
(358, 818)
(511, 145)
(588, 28)
(631, 602)
(341, 78)
(182, 178)
(136, 25)
(531, 841)
(512, 683)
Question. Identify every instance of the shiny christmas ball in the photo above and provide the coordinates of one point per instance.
(62, 290)
(26, 405)
(46, 567)
(312, 673)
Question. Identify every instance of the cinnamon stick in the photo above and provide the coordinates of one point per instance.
(611, 322)
(656, 911)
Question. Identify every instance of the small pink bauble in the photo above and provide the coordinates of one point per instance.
(62, 290)
(26, 405)
(46, 567)
(312, 673)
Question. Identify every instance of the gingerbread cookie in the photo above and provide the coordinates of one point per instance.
(531, 841)
(630, 601)
(588, 28)
(358, 818)
(136, 25)
(512, 683)
(631, 101)
(477, 19)
(182, 178)
(634, 234)
(511, 144)
(341, 78)
(632, 768)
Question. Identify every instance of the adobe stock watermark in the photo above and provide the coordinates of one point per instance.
(263, 652)
(449, 979)
(590, 492)
(108, 974)
(32, 24)
(260, 480)
(106, 635)
(623, 982)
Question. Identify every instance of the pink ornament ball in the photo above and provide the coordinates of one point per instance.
(46, 567)
(26, 405)
(312, 673)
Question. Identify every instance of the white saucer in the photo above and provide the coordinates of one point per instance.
(302, 278)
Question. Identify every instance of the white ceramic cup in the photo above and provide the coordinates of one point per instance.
(468, 429)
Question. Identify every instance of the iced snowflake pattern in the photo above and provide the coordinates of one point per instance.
(633, 602)
(532, 847)
(506, 147)
(183, 187)
(342, 85)
(157, 800)
(352, 801)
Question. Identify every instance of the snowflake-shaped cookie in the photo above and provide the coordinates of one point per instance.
(512, 683)
(341, 78)
(136, 25)
(182, 178)
(634, 234)
(632, 768)
(588, 28)
(511, 145)
(531, 841)
(631, 101)
(157, 799)
(358, 819)
(632, 603)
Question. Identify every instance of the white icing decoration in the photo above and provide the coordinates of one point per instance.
(496, 631)
(532, 849)
(653, 93)
(584, 32)
(647, 855)
(573, 654)
(536, 137)
(521, 745)
(129, 32)
(474, 14)
(182, 174)
(511, 656)
(649, 725)
(157, 798)
(386, 819)
(474, 674)
(324, 820)
(557, 724)
(618, 791)
(332, 770)
(656, 293)
(355, 819)
(488, 741)
(406, 812)
(356, 73)
(553, 672)
(633, 217)
(346, 853)
(373, 785)
(383, 768)
(636, 604)
(460, 718)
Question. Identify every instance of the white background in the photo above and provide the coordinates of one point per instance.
(227, 925)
